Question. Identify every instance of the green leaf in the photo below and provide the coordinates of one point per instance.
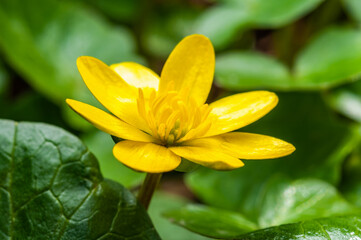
(162, 202)
(42, 42)
(278, 201)
(247, 70)
(209, 221)
(347, 100)
(222, 22)
(321, 142)
(353, 7)
(51, 188)
(334, 228)
(101, 145)
(332, 58)
(277, 13)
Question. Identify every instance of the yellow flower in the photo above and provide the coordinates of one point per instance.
(164, 119)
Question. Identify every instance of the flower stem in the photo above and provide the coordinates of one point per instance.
(150, 183)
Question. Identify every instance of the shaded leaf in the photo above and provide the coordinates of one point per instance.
(209, 221)
(51, 188)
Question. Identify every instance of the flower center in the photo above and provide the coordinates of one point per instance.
(172, 119)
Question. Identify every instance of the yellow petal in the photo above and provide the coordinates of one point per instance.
(246, 145)
(137, 75)
(236, 111)
(190, 67)
(203, 153)
(108, 123)
(146, 157)
(111, 90)
(254, 146)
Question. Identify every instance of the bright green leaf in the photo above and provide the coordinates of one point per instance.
(51, 188)
(332, 58)
(43, 43)
(247, 70)
(334, 228)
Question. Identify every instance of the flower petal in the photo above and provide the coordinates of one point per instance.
(202, 152)
(108, 123)
(146, 157)
(236, 111)
(254, 146)
(190, 67)
(111, 90)
(136, 75)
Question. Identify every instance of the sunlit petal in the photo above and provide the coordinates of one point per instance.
(108, 123)
(146, 157)
(236, 111)
(246, 145)
(190, 68)
(254, 146)
(136, 75)
(208, 155)
(111, 90)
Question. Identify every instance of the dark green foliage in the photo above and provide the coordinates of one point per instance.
(51, 188)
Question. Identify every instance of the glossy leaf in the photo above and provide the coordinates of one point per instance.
(51, 188)
(250, 70)
(43, 43)
(334, 228)
(321, 144)
(332, 58)
(278, 202)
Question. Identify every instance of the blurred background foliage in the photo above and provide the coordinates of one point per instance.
(308, 52)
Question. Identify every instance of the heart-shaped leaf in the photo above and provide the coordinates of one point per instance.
(51, 188)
